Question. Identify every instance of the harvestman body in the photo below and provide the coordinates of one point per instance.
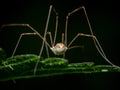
(62, 47)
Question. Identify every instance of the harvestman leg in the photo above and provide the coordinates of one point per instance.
(53, 40)
(26, 25)
(91, 31)
(37, 33)
(96, 42)
(23, 34)
(66, 25)
(72, 12)
(46, 28)
(67, 18)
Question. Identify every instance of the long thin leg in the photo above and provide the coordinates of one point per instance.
(63, 41)
(72, 12)
(85, 35)
(23, 34)
(63, 37)
(91, 31)
(66, 25)
(46, 27)
(51, 40)
(79, 34)
(56, 27)
(14, 51)
(22, 25)
(97, 45)
(27, 25)
(43, 38)
(80, 46)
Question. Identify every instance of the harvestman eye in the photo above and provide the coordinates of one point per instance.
(61, 47)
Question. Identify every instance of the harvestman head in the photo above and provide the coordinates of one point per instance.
(61, 47)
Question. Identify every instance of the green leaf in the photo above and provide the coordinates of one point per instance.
(22, 66)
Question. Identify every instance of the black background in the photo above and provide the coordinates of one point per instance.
(105, 21)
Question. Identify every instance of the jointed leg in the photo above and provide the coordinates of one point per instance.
(46, 27)
(22, 25)
(51, 40)
(43, 38)
(37, 33)
(31, 28)
(23, 34)
(56, 27)
(14, 51)
(97, 45)
(79, 34)
(91, 31)
(91, 36)
(49, 33)
(72, 12)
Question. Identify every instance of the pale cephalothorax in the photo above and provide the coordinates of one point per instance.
(60, 48)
